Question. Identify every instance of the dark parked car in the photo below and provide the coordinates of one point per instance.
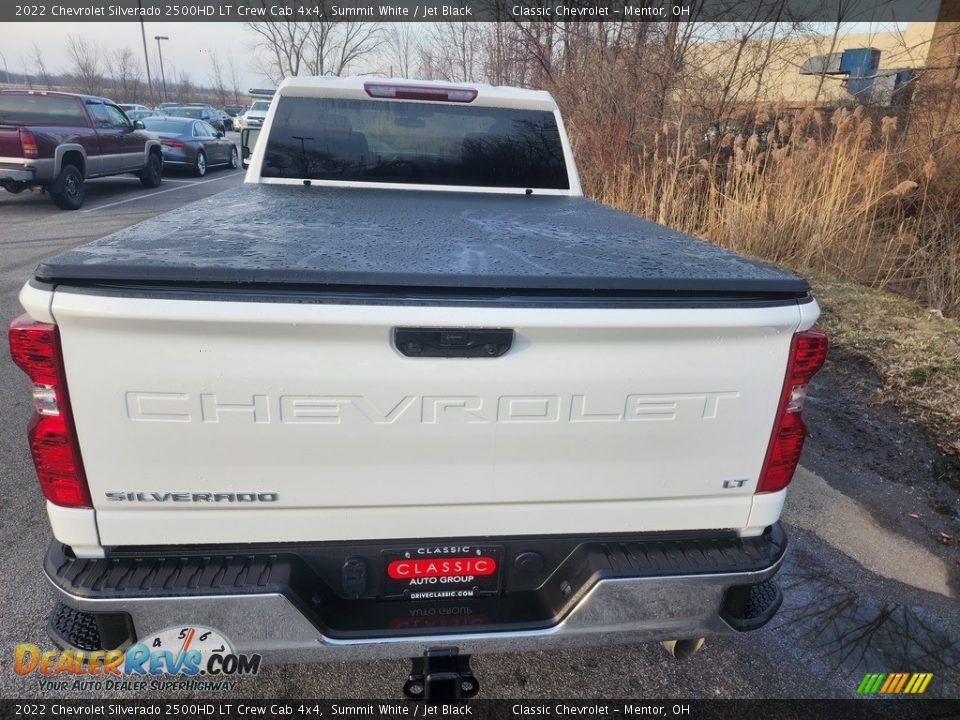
(135, 115)
(55, 141)
(192, 144)
(205, 113)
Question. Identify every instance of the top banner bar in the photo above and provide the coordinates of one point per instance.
(480, 11)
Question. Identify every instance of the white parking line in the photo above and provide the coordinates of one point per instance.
(160, 192)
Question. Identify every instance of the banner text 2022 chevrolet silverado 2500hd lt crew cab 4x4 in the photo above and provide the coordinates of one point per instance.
(408, 367)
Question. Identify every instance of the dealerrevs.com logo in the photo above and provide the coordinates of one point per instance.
(177, 658)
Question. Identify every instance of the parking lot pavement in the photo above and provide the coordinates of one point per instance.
(863, 591)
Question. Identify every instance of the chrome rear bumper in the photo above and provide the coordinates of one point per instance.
(284, 618)
(17, 174)
(612, 612)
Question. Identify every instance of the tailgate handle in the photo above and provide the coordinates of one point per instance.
(453, 342)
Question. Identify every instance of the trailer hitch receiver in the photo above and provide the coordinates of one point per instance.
(441, 674)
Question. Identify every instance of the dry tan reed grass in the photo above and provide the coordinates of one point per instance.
(843, 195)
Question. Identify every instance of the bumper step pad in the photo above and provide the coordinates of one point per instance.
(749, 607)
(74, 629)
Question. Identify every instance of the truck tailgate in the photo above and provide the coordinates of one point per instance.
(224, 420)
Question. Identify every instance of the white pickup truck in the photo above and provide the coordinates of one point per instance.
(407, 389)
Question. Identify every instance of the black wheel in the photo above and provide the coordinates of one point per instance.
(200, 164)
(152, 174)
(234, 158)
(68, 189)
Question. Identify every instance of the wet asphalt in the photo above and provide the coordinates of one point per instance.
(870, 584)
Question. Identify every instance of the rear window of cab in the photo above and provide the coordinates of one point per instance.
(345, 139)
(25, 109)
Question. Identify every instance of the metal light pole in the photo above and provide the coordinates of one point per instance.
(146, 56)
(163, 76)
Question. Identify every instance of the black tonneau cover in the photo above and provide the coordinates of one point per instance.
(354, 239)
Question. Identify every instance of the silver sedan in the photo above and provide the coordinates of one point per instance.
(192, 144)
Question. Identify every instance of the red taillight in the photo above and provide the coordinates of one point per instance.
(28, 144)
(171, 143)
(35, 348)
(808, 350)
(420, 92)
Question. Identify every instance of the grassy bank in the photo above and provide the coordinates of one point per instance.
(915, 352)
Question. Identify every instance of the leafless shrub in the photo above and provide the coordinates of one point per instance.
(316, 47)
(126, 76)
(86, 71)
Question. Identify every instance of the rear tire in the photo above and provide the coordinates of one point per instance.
(152, 174)
(200, 164)
(71, 190)
(234, 158)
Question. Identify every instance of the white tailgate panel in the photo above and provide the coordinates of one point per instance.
(596, 421)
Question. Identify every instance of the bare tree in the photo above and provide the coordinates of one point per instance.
(27, 78)
(86, 73)
(504, 60)
(217, 77)
(316, 47)
(402, 47)
(40, 67)
(234, 79)
(845, 9)
(185, 88)
(127, 77)
(351, 42)
(456, 52)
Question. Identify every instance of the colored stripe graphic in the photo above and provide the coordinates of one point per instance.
(870, 683)
(903, 681)
(894, 683)
(918, 683)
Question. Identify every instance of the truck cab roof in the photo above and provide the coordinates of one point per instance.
(486, 95)
(56, 93)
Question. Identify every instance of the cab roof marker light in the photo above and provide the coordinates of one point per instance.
(420, 92)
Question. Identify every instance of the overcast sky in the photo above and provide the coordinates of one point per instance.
(182, 52)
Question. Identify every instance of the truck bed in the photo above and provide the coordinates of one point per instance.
(359, 239)
(247, 347)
